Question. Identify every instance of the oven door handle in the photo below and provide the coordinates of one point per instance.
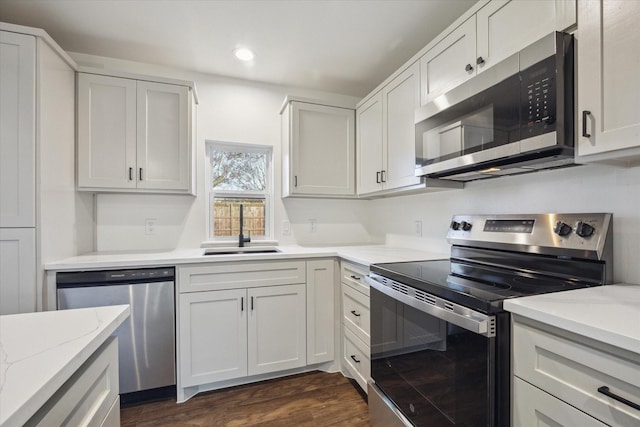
(463, 317)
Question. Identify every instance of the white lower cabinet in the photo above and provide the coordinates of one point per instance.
(255, 325)
(560, 376)
(356, 353)
(90, 397)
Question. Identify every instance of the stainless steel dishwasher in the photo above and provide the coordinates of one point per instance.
(146, 340)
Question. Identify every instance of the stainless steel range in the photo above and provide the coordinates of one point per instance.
(440, 339)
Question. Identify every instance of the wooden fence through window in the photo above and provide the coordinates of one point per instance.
(226, 217)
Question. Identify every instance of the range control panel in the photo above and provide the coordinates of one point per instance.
(553, 234)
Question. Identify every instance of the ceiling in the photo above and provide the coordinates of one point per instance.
(342, 46)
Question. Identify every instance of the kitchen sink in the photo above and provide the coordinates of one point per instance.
(239, 251)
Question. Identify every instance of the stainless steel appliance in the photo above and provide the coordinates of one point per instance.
(515, 117)
(146, 340)
(440, 340)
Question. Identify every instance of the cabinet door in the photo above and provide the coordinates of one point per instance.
(106, 132)
(369, 118)
(501, 32)
(163, 147)
(277, 328)
(320, 311)
(322, 150)
(608, 84)
(534, 407)
(17, 133)
(400, 99)
(17, 270)
(212, 343)
(449, 63)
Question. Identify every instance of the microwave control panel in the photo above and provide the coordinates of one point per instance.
(538, 98)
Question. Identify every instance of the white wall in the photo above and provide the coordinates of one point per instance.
(229, 110)
(588, 188)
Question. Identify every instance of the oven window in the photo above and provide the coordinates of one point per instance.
(436, 373)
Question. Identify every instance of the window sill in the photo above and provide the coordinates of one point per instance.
(234, 243)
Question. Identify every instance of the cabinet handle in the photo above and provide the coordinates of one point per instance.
(605, 390)
(130, 174)
(353, 356)
(241, 303)
(295, 181)
(140, 174)
(468, 68)
(251, 303)
(585, 114)
(355, 313)
(479, 61)
(354, 277)
(383, 178)
(377, 177)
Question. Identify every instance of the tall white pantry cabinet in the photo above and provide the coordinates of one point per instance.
(39, 209)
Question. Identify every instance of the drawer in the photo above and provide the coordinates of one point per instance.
(356, 358)
(238, 275)
(88, 396)
(534, 407)
(355, 312)
(353, 275)
(572, 370)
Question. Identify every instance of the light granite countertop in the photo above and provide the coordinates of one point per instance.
(364, 255)
(40, 351)
(609, 313)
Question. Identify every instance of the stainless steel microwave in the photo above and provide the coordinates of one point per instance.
(512, 118)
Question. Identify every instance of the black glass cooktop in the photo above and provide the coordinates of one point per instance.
(480, 287)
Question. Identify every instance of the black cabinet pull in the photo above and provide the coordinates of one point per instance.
(295, 181)
(479, 61)
(605, 390)
(140, 174)
(130, 174)
(468, 68)
(355, 313)
(353, 356)
(251, 303)
(377, 177)
(383, 178)
(585, 113)
(241, 303)
(354, 277)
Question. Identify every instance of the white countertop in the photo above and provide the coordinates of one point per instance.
(365, 255)
(40, 351)
(609, 314)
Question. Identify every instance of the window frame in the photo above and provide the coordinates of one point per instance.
(211, 194)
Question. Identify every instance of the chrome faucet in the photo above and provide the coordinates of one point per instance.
(241, 239)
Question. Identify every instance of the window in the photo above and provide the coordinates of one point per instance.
(239, 175)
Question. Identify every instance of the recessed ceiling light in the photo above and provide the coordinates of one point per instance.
(244, 54)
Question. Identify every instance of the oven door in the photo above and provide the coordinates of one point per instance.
(432, 361)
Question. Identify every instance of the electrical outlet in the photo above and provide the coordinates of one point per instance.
(286, 228)
(314, 225)
(150, 226)
(418, 228)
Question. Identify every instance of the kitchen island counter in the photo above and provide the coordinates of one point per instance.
(40, 351)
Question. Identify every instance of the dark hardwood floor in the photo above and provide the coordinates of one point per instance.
(310, 399)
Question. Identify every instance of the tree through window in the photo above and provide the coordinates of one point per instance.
(239, 175)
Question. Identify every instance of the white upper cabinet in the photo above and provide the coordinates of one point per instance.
(318, 150)
(500, 29)
(18, 131)
(370, 146)
(386, 135)
(608, 85)
(451, 62)
(494, 33)
(133, 135)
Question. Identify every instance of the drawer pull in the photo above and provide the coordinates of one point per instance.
(353, 356)
(605, 390)
(354, 277)
(355, 313)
